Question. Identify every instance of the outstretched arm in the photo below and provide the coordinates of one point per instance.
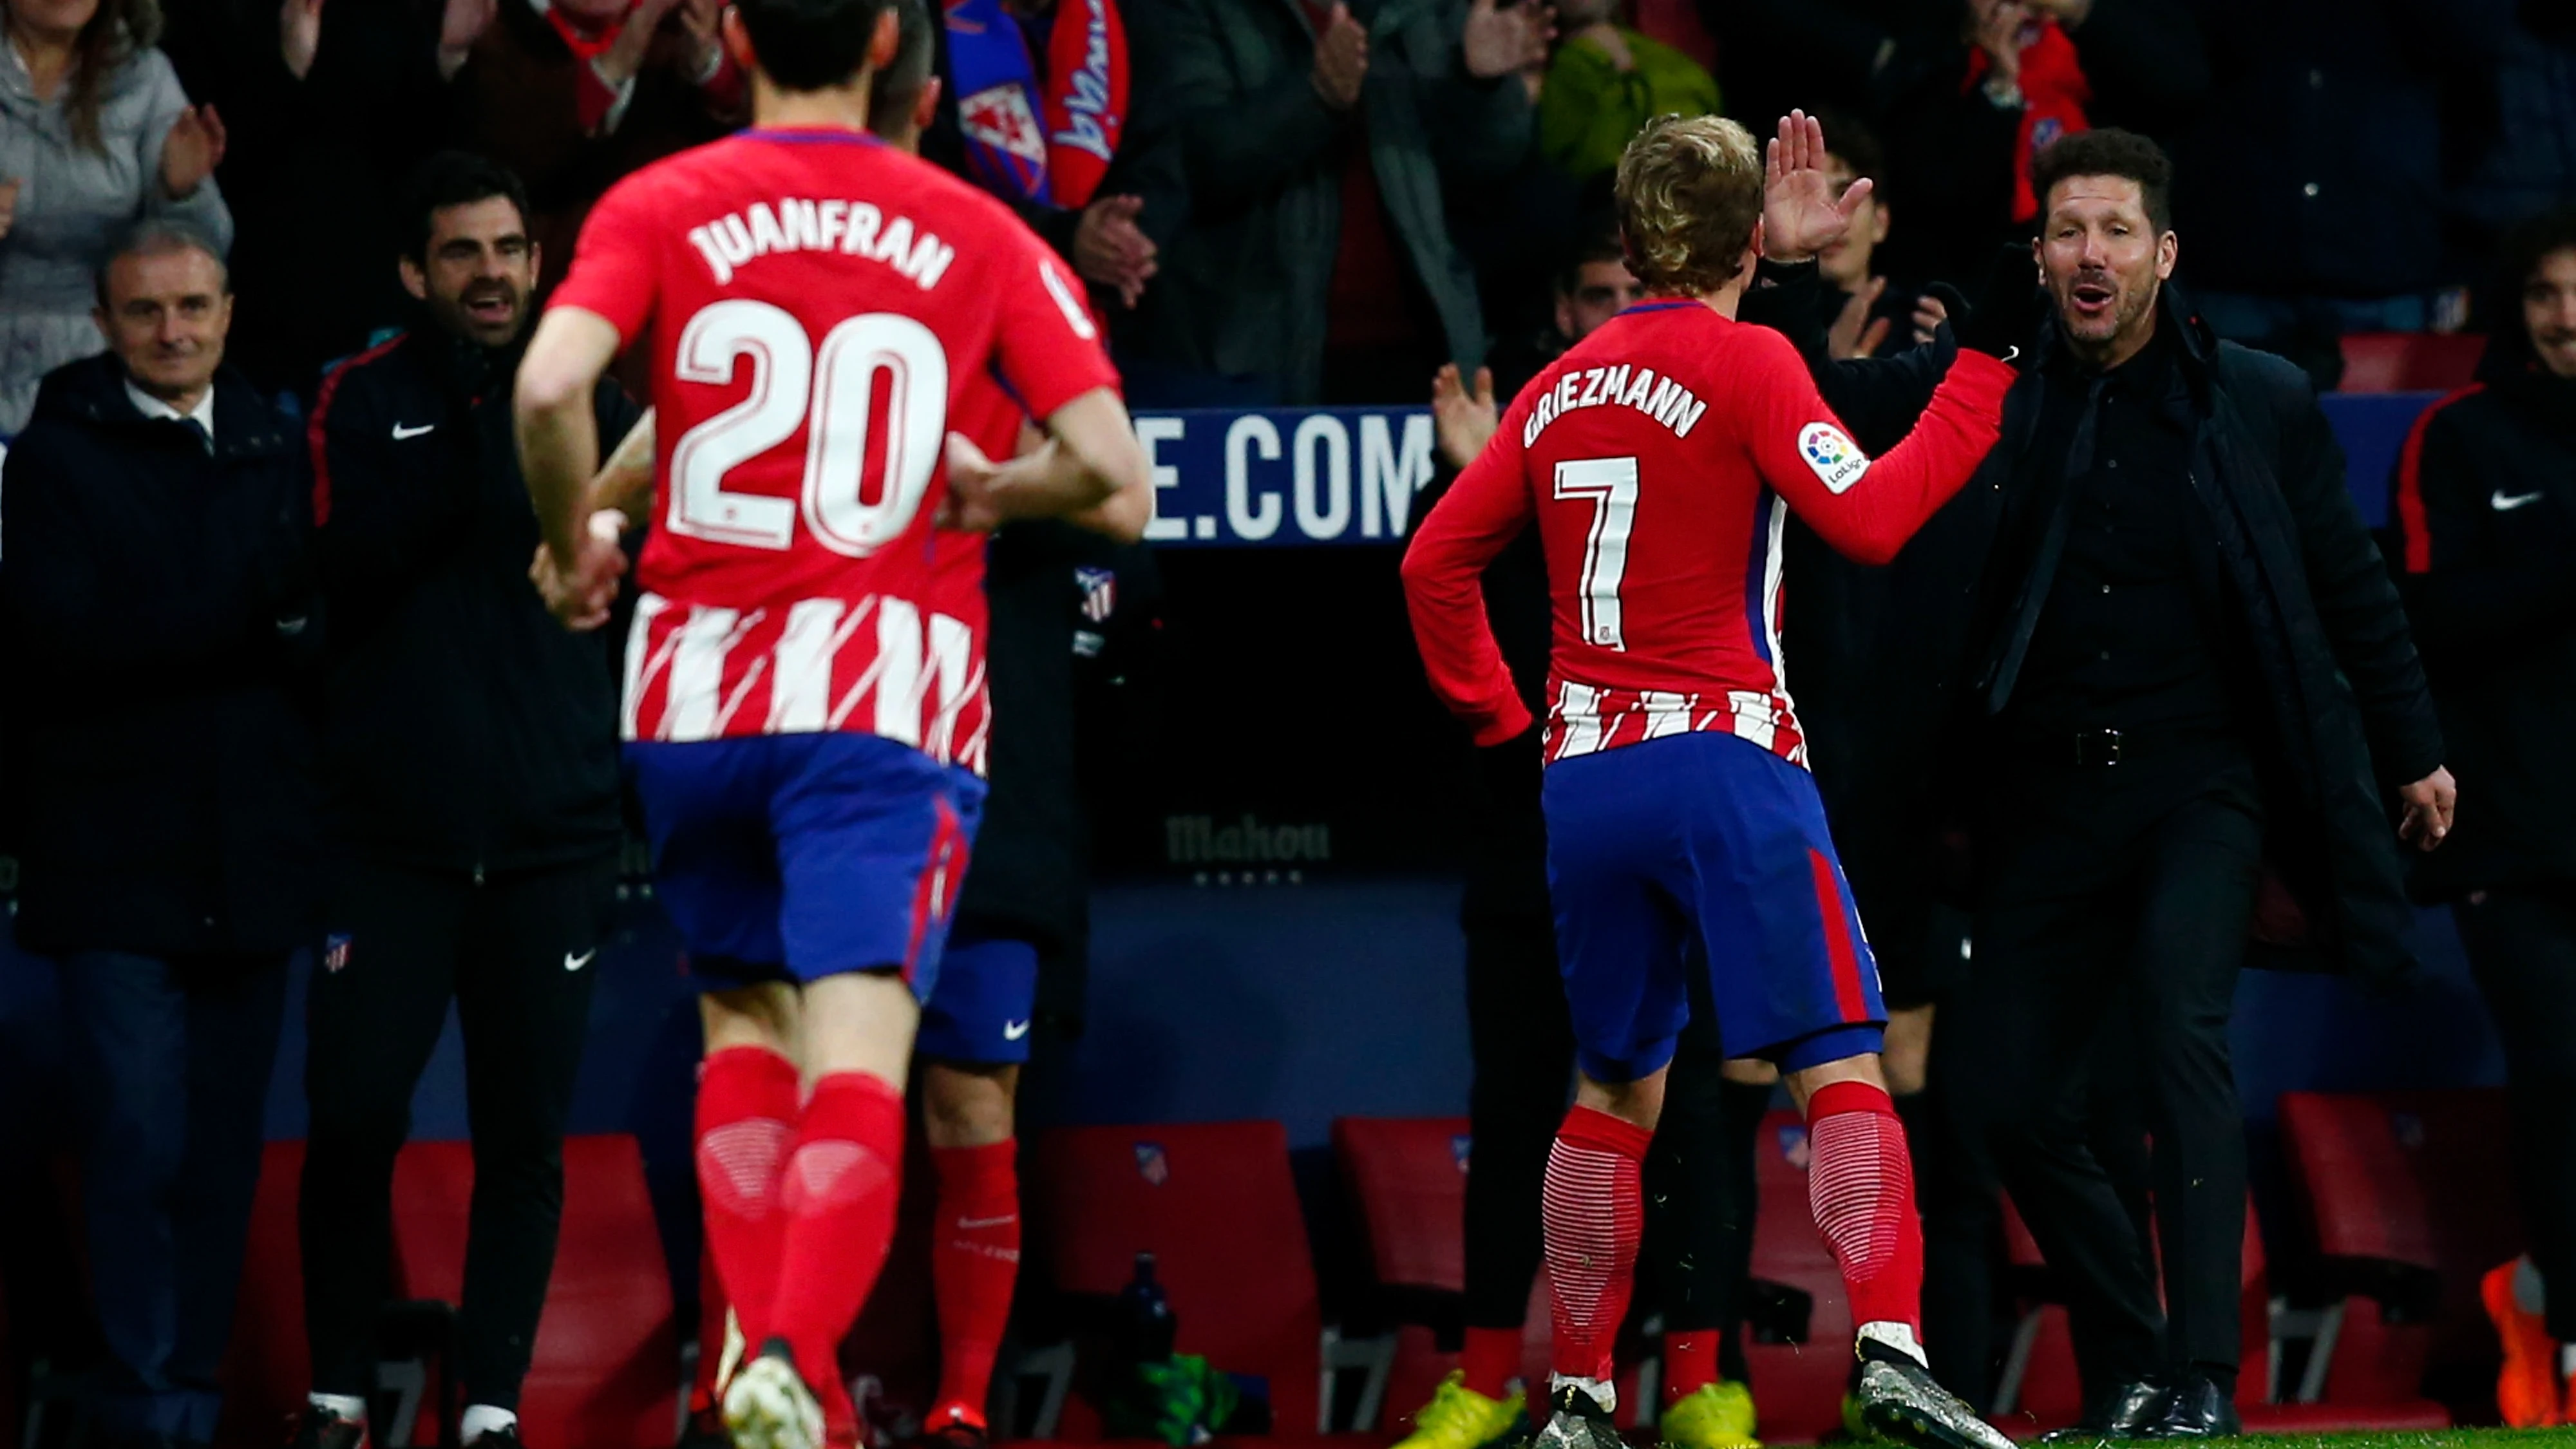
(559, 452)
(1866, 507)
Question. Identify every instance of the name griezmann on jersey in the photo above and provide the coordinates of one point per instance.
(1664, 400)
(802, 224)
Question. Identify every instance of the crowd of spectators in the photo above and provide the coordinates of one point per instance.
(1294, 203)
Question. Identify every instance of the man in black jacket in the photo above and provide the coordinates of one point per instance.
(471, 760)
(2192, 665)
(2485, 521)
(161, 629)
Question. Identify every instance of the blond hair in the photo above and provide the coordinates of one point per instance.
(1690, 191)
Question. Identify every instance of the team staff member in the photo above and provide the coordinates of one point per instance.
(161, 633)
(2486, 523)
(471, 760)
(2190, 657)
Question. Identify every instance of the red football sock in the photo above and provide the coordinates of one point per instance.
(1491, 1360)
(839, 1192)
(746, 1115)
(1592, 1213)
(1690, 1363)
(1860, 1185)
(974, 1261)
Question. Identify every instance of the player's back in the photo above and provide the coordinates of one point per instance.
(826, 304)
(1663, 543)
(818, 306)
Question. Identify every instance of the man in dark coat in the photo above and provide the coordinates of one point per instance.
(161, 626)
(470, 752)
(2190, 665)
(2485, 520)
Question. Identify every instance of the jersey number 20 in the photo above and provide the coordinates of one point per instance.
(830, 389)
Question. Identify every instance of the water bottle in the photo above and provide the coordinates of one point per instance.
(1145, 1321)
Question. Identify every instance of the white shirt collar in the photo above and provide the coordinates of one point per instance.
(153, 407)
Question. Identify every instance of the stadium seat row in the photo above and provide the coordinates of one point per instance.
(2404, 1196)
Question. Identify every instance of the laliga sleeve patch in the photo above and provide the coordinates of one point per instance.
(1838, 460)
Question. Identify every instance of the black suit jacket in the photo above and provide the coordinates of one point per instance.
(2345, 713)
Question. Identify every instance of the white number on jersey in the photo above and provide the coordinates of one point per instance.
(1611, 485)
(830, 389)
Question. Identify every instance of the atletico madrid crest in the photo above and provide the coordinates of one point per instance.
(1099, 593)
(1151, 1164)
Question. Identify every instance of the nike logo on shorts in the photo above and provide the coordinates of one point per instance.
(575, 963)
(401, 432)
(2505, 504)
(1014, 1030)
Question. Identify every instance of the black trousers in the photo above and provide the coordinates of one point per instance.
(1698, 1176)
(1521, 1046)
(174, 1055)
(2522, 948)
(2118, 897)
(517, 953)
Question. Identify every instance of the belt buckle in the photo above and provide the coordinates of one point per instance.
(2097, 748)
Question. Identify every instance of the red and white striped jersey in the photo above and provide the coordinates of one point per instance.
(819, 307)
(1657, 457)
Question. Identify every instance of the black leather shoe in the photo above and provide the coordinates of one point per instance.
(2196, 1410)
(2129, 1411)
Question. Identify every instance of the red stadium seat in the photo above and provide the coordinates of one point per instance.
(606, 1373)
(266, 1370)
(1409, 1178)
(2410, 361)
(2410, 1197)
(1215, 1205)
(1798, 1386)
(2051, 1393)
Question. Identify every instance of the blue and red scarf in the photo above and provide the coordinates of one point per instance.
(1049, 138)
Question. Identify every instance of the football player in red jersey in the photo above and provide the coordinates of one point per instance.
(818, 305)
(975, 1027)
(1657, 458)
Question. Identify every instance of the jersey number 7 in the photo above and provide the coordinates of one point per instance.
(1611, 485)
(830, 389)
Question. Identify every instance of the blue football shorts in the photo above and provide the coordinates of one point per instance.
(796, 857)
(986, 999)
(1703, 853)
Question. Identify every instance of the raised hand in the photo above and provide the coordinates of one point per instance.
(1500, 40)
(194, 148)
(1463, 420)
(1801, 215)
(1997, 31)
(299, 34)
(699, 18)
(1929, 313)
(1855, 333)
(1341, 59)
(1110, 249)
(460, 24)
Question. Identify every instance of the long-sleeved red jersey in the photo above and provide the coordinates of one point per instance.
(1656, 456)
